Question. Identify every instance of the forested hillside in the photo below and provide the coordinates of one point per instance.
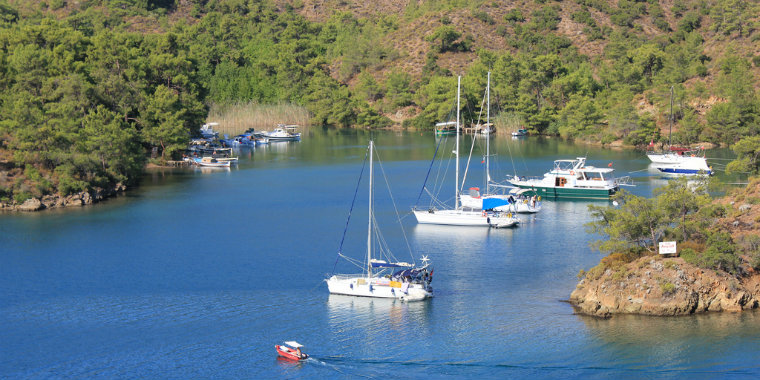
(91, 87)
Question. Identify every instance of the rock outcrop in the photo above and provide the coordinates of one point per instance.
(57, 201)
(664, 286)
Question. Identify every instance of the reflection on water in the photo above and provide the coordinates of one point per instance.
(377, 314)
(705, 344)
(633, 329)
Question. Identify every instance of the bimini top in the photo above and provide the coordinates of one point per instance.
(384, 264)
(519, 191)
(294, 344)
(491, 203)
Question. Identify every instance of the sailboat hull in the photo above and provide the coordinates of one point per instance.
(377, 288)
(462, 218)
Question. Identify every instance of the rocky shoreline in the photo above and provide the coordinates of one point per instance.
(83, 198)
(664, 287)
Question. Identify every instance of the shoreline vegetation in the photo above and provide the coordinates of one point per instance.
(92, 89)
(716, 267)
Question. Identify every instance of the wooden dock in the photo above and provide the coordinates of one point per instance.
(178, 164)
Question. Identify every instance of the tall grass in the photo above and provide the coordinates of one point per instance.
(236, 118)
(508, 122)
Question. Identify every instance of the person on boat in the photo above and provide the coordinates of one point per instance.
(533, 201)
(298, 352)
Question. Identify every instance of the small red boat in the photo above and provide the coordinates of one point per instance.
(291, 350)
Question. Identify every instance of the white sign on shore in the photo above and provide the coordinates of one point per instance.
(667, 247)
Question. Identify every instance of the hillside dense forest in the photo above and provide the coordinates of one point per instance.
(90, 88)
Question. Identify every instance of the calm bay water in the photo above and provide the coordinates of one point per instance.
(198, 274)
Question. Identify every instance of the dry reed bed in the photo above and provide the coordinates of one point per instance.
(236, 118)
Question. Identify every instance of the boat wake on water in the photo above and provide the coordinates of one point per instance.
(343, 366)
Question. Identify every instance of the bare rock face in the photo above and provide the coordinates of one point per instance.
(663, 286)
(32, 204)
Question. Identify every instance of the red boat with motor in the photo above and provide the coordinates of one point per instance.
(291, 350)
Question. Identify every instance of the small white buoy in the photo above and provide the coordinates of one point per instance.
(615, 203)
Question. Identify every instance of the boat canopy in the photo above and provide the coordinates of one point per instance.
(408, 273)
(592, 169)
(384, 264)
(519, 191)
(294, 344)
(490, 203)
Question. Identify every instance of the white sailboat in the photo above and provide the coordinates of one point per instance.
(500, 202)
(458, 216)
(679, 160)
(382, 278)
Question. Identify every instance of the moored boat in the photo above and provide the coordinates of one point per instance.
(572, 179)
(474, 199)
(459, 216)
(520, 132)
(281, 133)
(211, 162)
(381, 278)
(446, 128)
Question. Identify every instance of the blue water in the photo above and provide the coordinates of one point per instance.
(198, 274)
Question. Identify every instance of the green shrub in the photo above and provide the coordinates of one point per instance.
(483, 16)
(515, 15)
(21, 196)
(667, 288)
(720, 253)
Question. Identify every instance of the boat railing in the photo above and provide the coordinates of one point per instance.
(528, 178)
(624, 181)
(350, 276)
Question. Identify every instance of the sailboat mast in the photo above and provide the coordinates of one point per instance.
(670, 130)
(369, 222)
(456, 183)
(488, 136)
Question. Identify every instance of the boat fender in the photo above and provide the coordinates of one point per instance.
(351, 285)
(539, 197)
(572, 172)
(370, 287)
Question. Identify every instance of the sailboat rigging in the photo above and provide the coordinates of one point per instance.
(678, 160)
(515, 201)
(459, 216)
(381, 278)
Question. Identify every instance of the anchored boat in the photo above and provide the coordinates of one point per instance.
(572, 179)
(458, 216)
(381, 278)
